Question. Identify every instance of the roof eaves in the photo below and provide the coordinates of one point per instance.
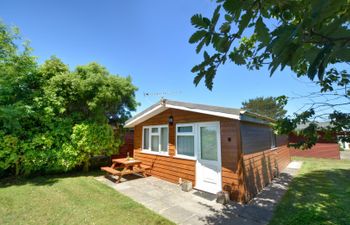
(256, 115)
(141, 114)
(164, 104)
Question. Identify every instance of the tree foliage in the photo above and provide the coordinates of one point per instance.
(267, 106)
(92, 139)
(310, 37)
(53, 119)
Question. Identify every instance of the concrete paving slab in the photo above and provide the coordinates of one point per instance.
(157, 194)
(195, 208)
(141, 197)
(177, 214)
(177, 199)
(194, 220)
(158, 206)
(345, 155)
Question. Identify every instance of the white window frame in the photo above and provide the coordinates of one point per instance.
(193, 133)
(149, 151)
(273, 140)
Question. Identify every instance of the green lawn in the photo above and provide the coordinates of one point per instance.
(69, 200)
(320, 194)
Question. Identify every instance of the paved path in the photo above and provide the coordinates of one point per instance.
(345, 154)
(201, 208)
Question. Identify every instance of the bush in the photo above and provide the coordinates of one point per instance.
(53, 119)
(92, 139)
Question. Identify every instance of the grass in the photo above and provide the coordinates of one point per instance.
(71, 199)
(320, 194)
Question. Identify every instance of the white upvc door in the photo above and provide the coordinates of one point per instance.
(208, 166)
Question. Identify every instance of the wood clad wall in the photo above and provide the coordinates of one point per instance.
(261, 167)
(171, 168)
(231, 157)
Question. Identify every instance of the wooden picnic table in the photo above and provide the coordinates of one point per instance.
(125, 166)
(126, 162)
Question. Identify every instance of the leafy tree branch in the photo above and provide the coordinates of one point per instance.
(310, 37)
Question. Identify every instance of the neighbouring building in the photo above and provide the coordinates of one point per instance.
(327, 145)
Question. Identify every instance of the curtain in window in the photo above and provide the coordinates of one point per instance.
(185, 145)
(155, 143)
(164, 139)
(146, 138)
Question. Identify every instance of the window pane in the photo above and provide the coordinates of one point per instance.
(155, 143)
(164, 139)
(185, 145)
(146, 138)
(185, 129)
(155, 130)
(273, 139)
(209, 147)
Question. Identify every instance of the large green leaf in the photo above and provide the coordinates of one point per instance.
(244, 22)
(237, 58)
(342, 54)
(262, 31)
(199, 21)
(198, 78)
(209, 77)
(225, 27)
(221, 44)
(200, 45)
(197, 36)
(233, 7)
(215, 17)
(317, 64)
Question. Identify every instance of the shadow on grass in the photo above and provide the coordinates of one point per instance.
(45, 179)
(317, 197)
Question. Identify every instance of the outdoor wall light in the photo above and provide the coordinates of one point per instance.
(171, 120)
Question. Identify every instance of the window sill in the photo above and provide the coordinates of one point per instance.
(155, 153)
(185, 157)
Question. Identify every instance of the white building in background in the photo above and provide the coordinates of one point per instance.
(344, 145)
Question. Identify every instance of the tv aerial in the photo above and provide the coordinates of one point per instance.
(161, 94)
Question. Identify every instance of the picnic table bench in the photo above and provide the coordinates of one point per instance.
(125, 166)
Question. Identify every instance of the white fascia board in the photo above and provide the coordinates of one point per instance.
(219, 114)
(160, 108)
(156, 110)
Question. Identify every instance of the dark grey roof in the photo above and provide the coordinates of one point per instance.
(233, 111)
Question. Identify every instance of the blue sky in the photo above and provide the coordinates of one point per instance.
(147, 40)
